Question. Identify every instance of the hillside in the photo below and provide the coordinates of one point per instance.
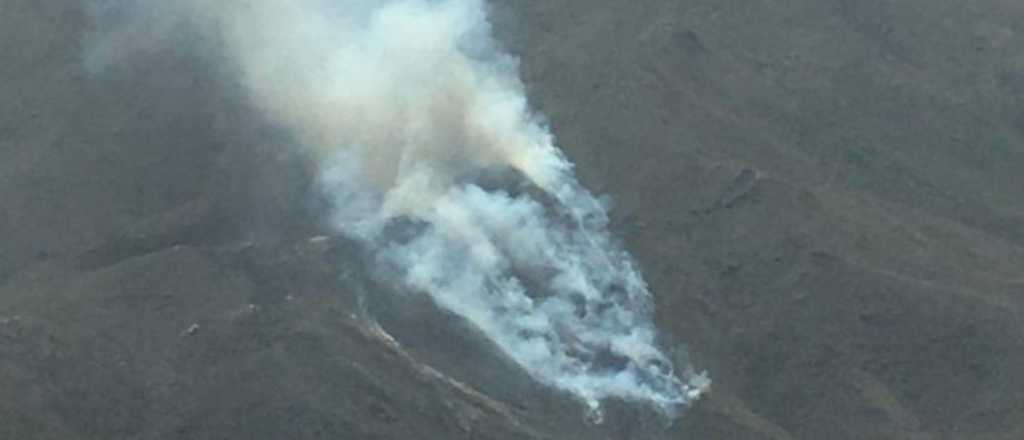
(825, 197)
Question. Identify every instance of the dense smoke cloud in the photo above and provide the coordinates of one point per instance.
(431, 156)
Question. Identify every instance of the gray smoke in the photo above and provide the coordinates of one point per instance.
(407, 103)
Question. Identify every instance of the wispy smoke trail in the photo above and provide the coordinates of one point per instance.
(432, 156)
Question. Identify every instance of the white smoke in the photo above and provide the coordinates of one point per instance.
(407, 103)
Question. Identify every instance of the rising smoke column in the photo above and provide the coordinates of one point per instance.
(406, 103)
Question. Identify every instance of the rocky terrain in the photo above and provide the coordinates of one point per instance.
(825, 196)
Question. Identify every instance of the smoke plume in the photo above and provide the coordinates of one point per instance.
(430, 155)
